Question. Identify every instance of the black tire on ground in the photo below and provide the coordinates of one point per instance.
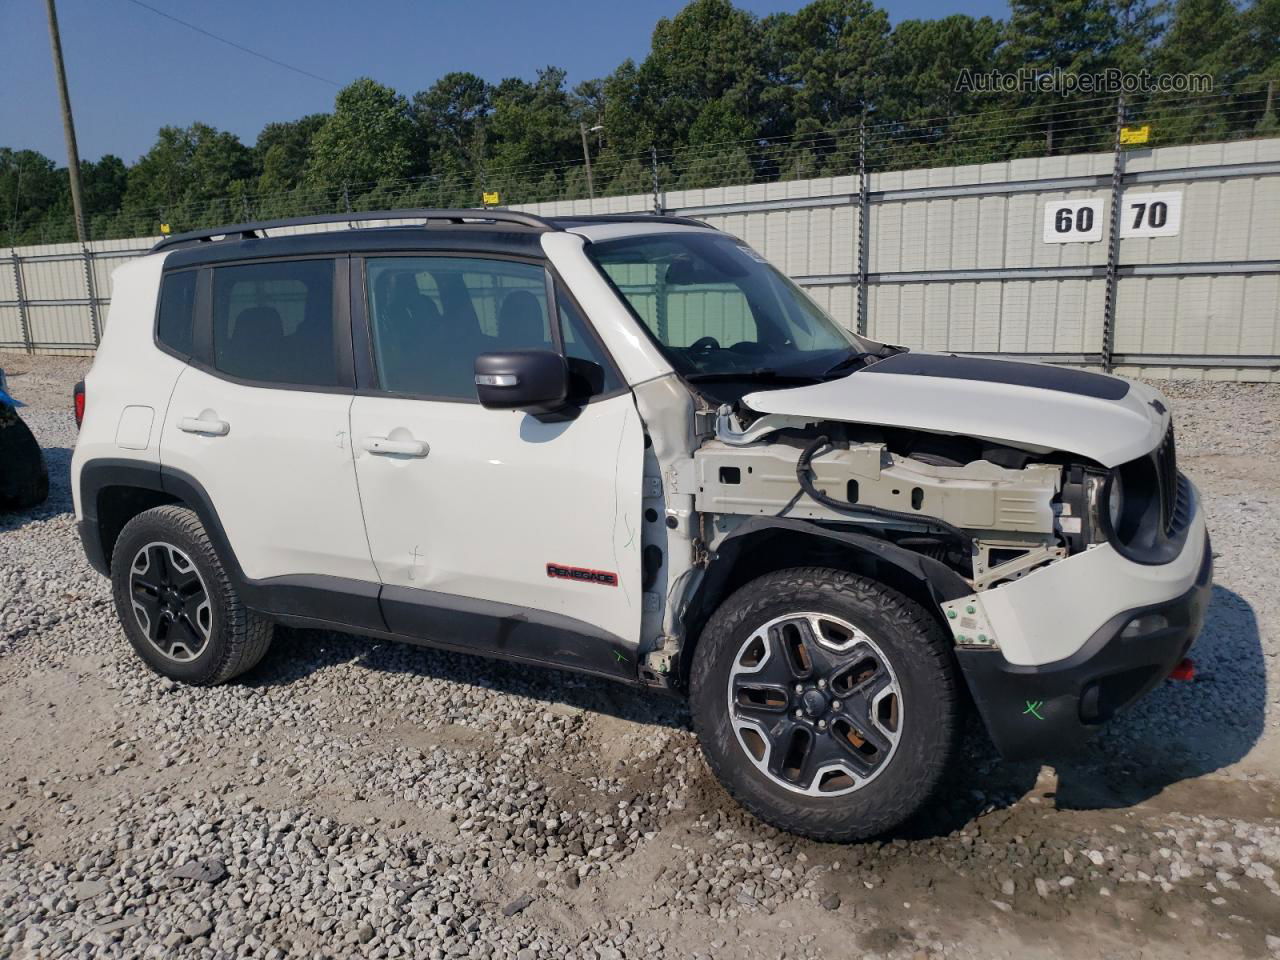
(164, 559)
(24, 480)
(730, 669)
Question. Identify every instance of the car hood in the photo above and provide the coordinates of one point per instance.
(1037, 406)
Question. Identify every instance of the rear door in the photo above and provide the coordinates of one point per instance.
(487, 524)
(260, 420)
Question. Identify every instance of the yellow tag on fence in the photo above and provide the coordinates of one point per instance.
(1135, 135)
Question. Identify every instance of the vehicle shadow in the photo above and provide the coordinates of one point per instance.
(299, 652)
(1178, 732)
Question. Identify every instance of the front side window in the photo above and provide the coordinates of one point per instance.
(273, 322)
(718, 310)
(431, 316)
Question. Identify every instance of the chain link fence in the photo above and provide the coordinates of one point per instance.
(939, 233)
(1059, 129)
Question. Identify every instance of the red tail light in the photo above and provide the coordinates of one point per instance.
(79, 399)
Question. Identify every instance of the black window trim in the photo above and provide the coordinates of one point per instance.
(366, 381)
(203, 359)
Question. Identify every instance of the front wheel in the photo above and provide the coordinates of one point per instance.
(826, 703)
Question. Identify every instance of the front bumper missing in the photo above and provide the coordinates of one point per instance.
(1046, 709)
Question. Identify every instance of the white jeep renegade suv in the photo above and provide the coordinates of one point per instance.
(629, 446)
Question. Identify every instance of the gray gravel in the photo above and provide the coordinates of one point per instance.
(358, 798)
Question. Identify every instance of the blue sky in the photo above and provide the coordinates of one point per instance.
(131, 71)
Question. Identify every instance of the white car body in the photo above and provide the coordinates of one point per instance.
(461, 508)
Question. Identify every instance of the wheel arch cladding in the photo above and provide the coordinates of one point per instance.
(115, 491)
(764, 545)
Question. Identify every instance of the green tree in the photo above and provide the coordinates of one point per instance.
(31, 190)
(532, 123)
(709, 53)
(449, 124)
(830, 62)
(282, 150)
(105, 182)
(367, 138)
(926, 57)
(188, 173)
(1200, 39)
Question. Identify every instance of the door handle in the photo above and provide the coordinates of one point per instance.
(212, 428)
(404, 448)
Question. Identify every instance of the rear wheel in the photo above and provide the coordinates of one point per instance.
(176, 603)
(826, 703)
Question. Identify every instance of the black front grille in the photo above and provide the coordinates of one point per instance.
(1166, 459)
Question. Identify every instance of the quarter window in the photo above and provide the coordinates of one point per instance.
(273, 322)
(177, 309)
(590, 371)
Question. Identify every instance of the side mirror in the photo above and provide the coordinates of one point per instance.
(536, 381)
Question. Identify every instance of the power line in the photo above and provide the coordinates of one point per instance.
(232, 43)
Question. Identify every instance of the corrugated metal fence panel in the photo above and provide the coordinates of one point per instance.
(1011, 316)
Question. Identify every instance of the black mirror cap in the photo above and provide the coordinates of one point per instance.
(536, 381)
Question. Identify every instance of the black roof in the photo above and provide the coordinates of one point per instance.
(508, 227)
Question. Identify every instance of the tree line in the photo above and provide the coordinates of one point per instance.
(722, 96)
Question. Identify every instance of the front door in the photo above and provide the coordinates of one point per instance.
(495, 530)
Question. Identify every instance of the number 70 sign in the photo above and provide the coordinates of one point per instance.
(1142, 215)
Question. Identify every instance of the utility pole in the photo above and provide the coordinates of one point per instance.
(68, 125)
(586, 155)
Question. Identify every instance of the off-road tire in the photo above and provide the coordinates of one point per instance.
(918, 652)
(238, 638)
(24, 479)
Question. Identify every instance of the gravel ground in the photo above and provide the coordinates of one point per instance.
(352, 797)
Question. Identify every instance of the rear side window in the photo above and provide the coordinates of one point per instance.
(273, 322)
(177, 311)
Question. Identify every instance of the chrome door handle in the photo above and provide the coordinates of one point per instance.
(404, 448)
(212, 428)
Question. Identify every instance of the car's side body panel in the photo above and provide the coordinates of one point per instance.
(500, 496)
(130, 382)
(281, 478)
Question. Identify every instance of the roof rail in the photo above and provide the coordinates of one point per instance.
(251, 230)
(589, 218)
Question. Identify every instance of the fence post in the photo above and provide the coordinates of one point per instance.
(1113, 244)
(91, 288)
(657, 194)
(23, 322)
(864, 220)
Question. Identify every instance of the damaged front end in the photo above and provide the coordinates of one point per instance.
(1084, 583)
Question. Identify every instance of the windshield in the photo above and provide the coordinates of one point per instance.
(719, 311)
